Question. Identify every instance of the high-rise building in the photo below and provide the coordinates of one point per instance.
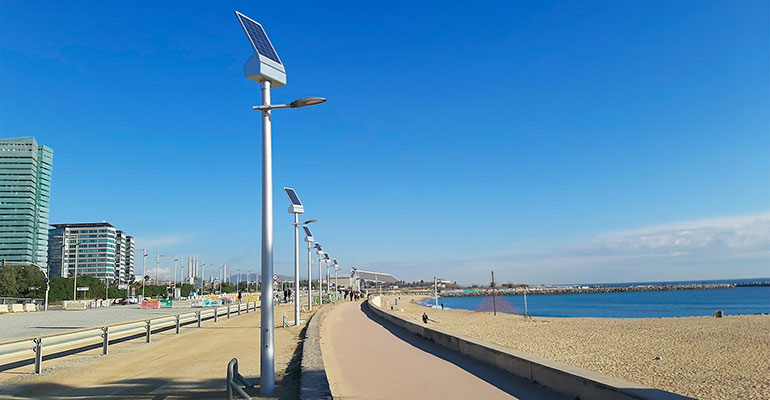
(98, 249)
(124, 257)
(25, 191)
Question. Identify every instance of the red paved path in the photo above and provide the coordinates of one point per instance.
(367, 360)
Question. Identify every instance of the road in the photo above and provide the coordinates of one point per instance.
(40, 323)
(367, 358)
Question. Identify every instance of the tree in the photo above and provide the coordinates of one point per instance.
(9, 286)
(17, 281)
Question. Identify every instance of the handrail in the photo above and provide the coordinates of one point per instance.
(107, 333)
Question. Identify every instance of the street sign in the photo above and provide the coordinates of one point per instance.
(275, 278)
(123, 286)
(133, 291)
(82, 288)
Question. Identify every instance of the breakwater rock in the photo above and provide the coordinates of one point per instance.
(542, 290)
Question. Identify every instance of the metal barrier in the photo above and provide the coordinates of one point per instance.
(78, 341)
(234, 380)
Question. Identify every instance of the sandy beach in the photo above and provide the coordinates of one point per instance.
(701, 357)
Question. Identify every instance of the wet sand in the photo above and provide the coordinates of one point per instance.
(702, 357)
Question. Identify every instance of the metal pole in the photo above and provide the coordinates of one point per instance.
(75, 289)
(267, 361)
(309, 279)
(336, 284)
(435, 290)
(296, 269)
(105, 340)
(38, 354)
(173, 291)
(107, 290)
(320, 280)
(526, 312)
(144, 269)
(157, 262)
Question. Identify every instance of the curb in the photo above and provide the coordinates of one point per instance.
(575, 382)
(313, 383)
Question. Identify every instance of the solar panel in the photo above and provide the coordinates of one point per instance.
(258, 37)
(293, 196)
(307, 231)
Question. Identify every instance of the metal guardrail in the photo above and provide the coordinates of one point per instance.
(78, 341)
(235, 379)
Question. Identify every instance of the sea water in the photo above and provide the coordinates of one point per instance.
(673, 303)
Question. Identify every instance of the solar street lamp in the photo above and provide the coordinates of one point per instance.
(295, 208)
(336, 282)
(266, 68)
(309, 240)
(320, 253)
(328, 281)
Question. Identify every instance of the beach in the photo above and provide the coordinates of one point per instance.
(701, 357)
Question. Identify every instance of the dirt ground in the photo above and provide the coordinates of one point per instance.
(190, 365)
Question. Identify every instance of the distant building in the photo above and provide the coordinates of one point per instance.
(25, 191)
(124, 257)
(99, 249)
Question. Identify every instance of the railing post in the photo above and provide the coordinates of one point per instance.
(177, 324)
(239, 308)
(247, 306)
(216, 313)
(228, 311)
(106, 340)
(149, 330)
(230, 379)
(199, 319)
(38, 349)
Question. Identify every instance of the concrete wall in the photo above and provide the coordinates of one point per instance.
(572, 381)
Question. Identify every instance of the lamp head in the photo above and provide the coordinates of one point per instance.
(307, 101)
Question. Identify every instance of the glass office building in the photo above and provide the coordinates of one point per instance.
(25, 191)
(97, 249)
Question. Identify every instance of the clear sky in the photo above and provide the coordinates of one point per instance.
(548, 141)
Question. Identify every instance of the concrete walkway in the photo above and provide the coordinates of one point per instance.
(367, 358)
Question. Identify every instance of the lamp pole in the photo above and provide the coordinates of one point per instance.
(75, 283)
(320, 273)
(309, 275)
(144, 270)
(266, 68)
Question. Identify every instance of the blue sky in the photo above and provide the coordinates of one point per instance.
(548, 141)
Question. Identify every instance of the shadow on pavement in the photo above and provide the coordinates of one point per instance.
(143, 388)
(513, 385)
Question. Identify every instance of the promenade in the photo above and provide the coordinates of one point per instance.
(366, 358)
(190, 365)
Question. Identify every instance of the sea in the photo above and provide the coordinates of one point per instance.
(659, 304)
